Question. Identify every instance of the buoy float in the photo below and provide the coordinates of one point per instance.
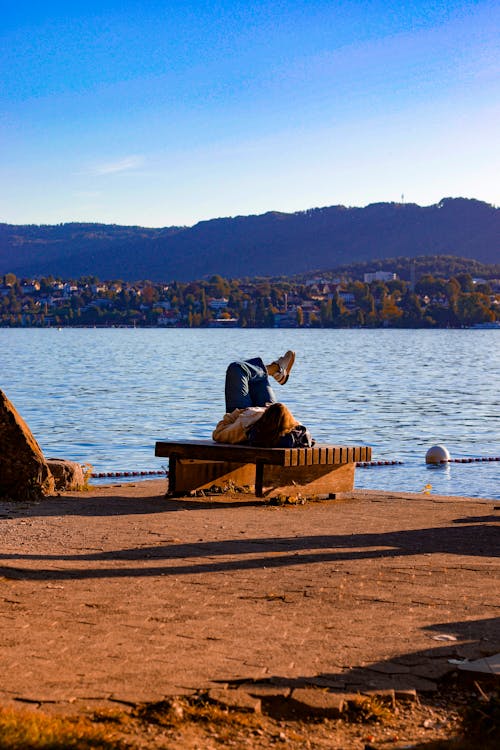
(438, 454)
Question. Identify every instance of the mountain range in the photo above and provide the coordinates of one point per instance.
(271, 244)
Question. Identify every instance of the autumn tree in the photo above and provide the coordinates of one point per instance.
(390, 312)
(149, 295)
(218, 287)
(474, 308)
(9, 279)
(466, 282)
(411, 308)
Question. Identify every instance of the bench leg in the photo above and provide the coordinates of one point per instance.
(259, 478)
(305, 480)
(189, 475)
(172, 472)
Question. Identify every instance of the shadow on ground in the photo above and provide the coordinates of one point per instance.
(247, 554)
(424, 670)
(118, 505)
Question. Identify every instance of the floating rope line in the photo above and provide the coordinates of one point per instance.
(485, 459)
(103, 474)
(359, 464)
(469, 460)
(163, 472)
(366, 464)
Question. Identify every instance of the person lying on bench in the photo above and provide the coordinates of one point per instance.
(253, 415)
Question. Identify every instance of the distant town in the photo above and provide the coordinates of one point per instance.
(380, 299)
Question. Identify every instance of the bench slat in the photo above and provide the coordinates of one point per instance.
(320, 454)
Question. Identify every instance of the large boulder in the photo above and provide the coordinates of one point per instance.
(24, 473)
(68, 475)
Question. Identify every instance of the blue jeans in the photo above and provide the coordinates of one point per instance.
(247, 384)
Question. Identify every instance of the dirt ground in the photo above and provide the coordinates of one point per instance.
(419, 725)
(120, 597)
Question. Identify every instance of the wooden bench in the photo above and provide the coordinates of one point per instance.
(201, 464)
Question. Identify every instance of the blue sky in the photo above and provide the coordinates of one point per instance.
(166, 113)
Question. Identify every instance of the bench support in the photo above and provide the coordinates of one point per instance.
(293, 481)
(188, 475)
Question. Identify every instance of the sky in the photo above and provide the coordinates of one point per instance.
(167, 113)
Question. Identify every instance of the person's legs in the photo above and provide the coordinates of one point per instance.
(247, 384)
(260, 388)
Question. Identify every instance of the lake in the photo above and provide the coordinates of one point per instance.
(104, 396)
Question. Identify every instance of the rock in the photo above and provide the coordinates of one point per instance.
(68, 475)
(311, 702)
(24, 473)
(235, 700)
(265, 690)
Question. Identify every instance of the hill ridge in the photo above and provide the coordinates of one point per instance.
(272, 243)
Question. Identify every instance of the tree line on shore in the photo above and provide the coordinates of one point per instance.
(322, 300)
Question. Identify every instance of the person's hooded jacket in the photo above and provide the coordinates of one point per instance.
(233, 426)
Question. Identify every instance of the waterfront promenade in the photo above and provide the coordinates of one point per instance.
(120, 594)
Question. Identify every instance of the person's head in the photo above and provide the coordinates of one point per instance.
(276, 421)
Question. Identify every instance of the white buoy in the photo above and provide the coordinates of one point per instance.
(437, 454)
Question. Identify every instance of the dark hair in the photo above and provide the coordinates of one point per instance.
(276, 421)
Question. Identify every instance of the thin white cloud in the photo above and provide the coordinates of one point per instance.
(126, 164)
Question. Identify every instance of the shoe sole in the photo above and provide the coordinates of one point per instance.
(288, 370)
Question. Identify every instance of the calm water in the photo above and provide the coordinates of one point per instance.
(104, 396)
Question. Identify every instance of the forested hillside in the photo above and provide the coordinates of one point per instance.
(270, 244)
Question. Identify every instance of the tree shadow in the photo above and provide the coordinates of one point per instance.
(119, 505)
(251, 554)
(425, 671)
(478, 519)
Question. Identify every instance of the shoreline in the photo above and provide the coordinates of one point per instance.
(125, 482)
(219, 325)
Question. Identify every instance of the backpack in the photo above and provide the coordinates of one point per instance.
(298, 437)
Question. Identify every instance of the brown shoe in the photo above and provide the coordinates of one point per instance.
(285, 364)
